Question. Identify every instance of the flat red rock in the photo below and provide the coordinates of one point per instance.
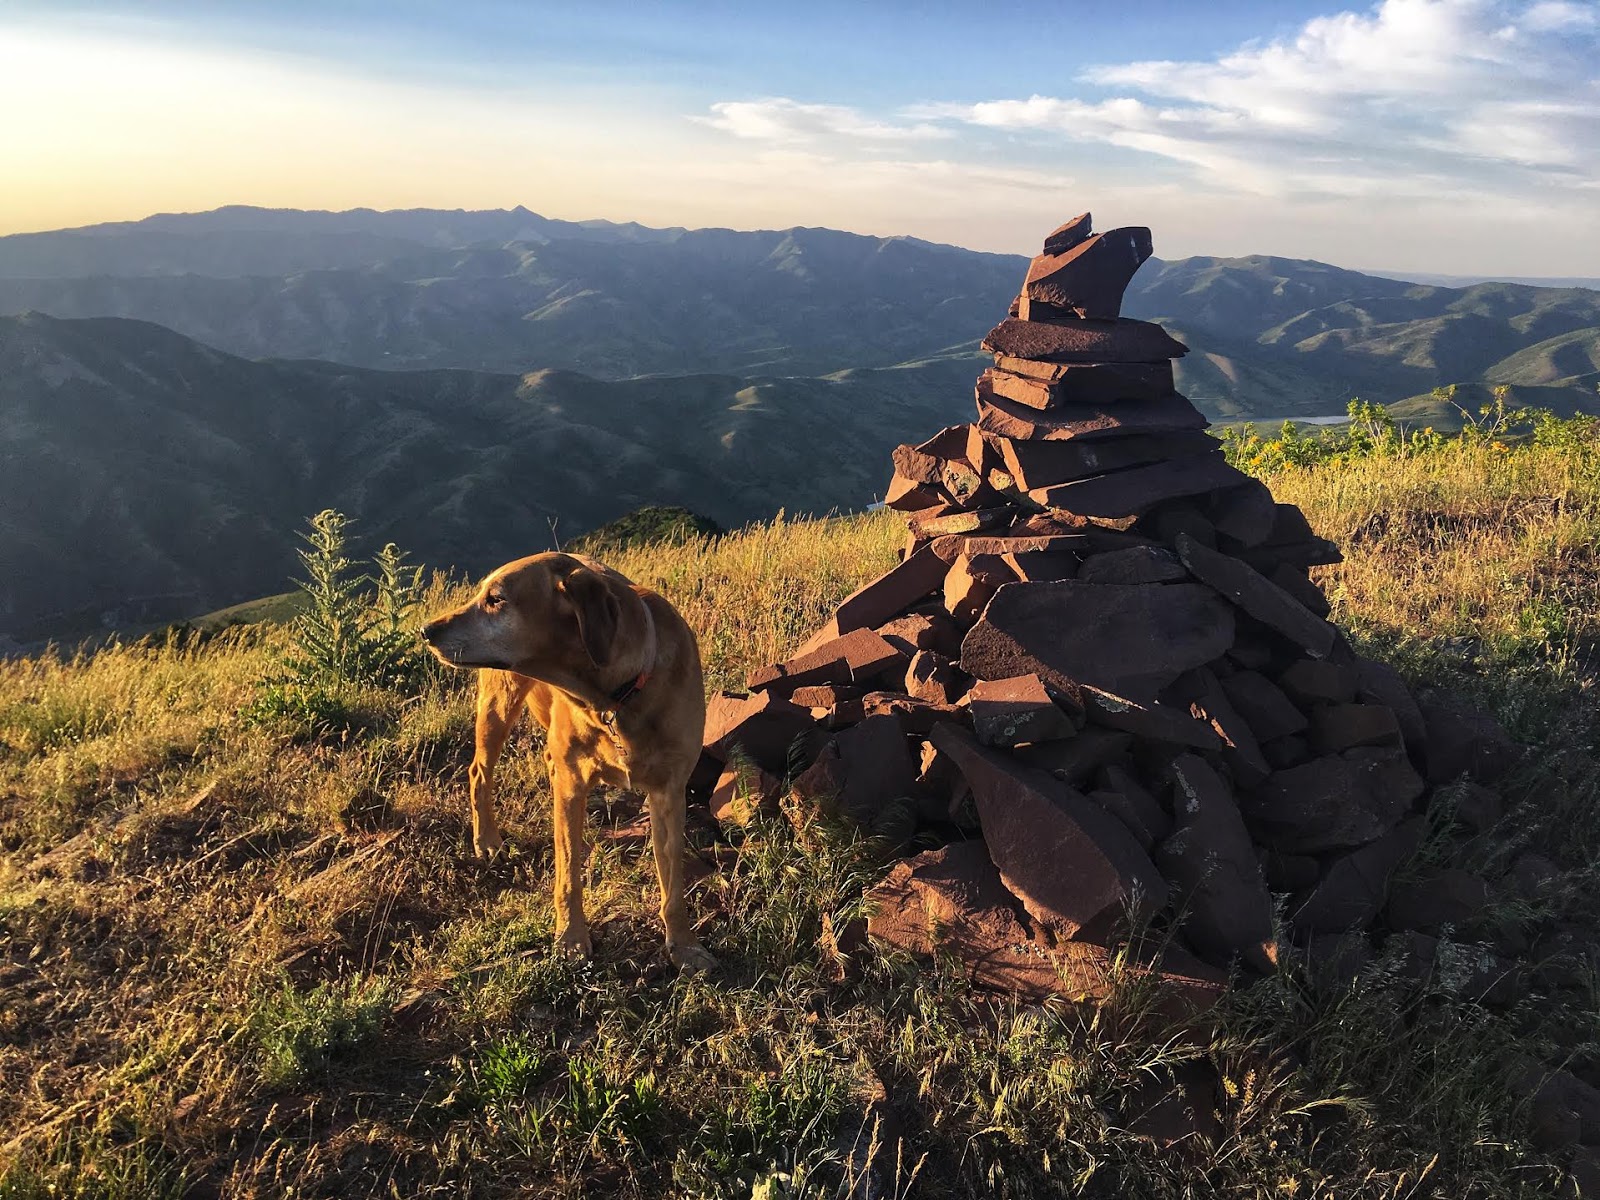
(1008, 712)
(1034, 825)
(1130, 641)
(1263, 705)
(1084, 341)
(1139, 489)
(855, 657)
(1258, 596)
(1147, 720)
(764, 726)
(1004, 418)
(1135, 564)
(951, 901)
(971, 583)
(1046, 385)
(918, 576)
(741, 793)
(1064, 237)
(1338, 802)
(1355, 886)
(1037, 465)
(1212, 867)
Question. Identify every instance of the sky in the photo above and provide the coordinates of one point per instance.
(1451, 136)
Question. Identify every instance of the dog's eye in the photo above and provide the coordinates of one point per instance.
(493, 601)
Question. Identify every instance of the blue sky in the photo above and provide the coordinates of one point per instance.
(1425, 135)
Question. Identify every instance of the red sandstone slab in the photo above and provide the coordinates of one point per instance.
(1002, 418)
(885, 598)
(1245, 513)
(1064, 237)
(1036, 465)
(1258, 596)
(1010, 712)
(1338, 802)
(1089, 278)
(1128, 640)
(923, 630)
(907, 495)
(764, 726)
(934, 678)
(1079, 383)
(952, 902)
(743, 792)
(1213, 869)
(958, 522)
(970, 583)
(952, 548)
(855, 657)
(916, 466)
(1035, 826)
(1041, 566)
(1084, 341)
(1147, 720)
(1139, 489)
(949, 442)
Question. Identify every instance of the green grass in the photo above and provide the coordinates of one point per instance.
(253, 958)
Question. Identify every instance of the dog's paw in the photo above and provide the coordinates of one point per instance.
(486, 848)
(574, 940)
(691, 956)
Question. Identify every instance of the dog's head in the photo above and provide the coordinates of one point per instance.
(544, 616)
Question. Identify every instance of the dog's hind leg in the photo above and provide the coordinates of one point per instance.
(666, 843)
(500, 696)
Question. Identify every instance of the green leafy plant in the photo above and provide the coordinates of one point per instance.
(355, 631)
(301, 1034)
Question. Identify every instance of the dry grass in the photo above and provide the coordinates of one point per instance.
(1466, 541)
(241, 960)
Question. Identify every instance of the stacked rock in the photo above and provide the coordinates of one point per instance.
(1100, 682)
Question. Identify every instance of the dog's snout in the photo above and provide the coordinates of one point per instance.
(432, 631)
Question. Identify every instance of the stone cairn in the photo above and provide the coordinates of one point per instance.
(1101, 682)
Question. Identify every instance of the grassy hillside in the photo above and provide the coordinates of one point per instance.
(247, 959)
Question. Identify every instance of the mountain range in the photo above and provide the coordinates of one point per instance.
(510, 291)
(147, 477)
(461, 382)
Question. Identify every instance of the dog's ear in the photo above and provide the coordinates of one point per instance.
(599, 612)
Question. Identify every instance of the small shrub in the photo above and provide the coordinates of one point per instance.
(507, 1071)
(354, 631)
(301, 1034)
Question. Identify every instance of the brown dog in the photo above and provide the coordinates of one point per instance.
(612, 672)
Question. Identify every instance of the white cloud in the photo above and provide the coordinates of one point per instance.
(777, 119)
(1559, 14)
(1412, 96)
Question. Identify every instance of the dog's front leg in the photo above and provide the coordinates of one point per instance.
(666, 843)
(569, 789)
(500, 697)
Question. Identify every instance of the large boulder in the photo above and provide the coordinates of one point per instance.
(1212, 867)
(1073, 865)
(1088, 279)
(1337, 802)
(1355, 887)
(1128, 640)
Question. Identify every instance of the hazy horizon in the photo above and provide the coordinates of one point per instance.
(1431, 136)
